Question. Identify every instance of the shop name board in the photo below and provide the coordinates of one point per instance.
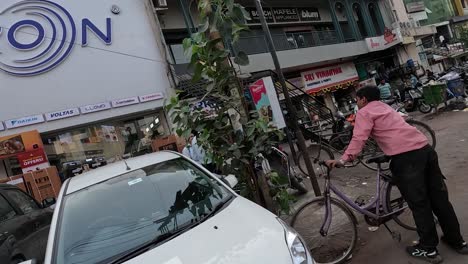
(95, 107)
(324, 77)
(285, 14)
(24, 121)
(125, 102)
(55, 36)
(62, 114)
(151, 97)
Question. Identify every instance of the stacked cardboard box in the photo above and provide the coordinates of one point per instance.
(40, 184)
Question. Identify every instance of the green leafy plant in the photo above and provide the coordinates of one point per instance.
(279, 192)
(231, 150)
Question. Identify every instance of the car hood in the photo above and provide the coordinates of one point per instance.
(242, 233)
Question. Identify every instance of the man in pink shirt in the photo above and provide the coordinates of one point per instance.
(415, 169)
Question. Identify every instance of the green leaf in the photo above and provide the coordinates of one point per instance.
(245, 13)
(204, 25)
(237, 15)
(242, 58)
(186, 44)
(197, 73)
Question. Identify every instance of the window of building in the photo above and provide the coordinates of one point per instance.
(96, 145)
(340, 10)
(6, 211)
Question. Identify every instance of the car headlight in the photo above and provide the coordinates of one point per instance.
(297, 248)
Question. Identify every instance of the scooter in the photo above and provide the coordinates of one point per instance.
(415, 99)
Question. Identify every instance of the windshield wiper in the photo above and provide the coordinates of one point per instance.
(166, 236)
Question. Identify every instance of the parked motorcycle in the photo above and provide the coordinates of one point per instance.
(415, 99)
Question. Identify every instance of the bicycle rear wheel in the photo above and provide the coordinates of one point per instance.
(371, 149)
(316, 154)
(426, 130)
(396, 201)
(338, 245)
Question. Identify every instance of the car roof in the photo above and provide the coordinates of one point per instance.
(115, 169)
(4, 186)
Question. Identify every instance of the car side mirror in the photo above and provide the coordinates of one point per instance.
(47, 202)
(231, 180)
(31, 261)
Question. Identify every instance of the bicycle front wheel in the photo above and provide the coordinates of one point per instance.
(395, 201)
(426, 130)
(338, 245)
(316, 154)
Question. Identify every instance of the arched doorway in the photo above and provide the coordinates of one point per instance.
(360, 21)
(342, 16)
(375, 17)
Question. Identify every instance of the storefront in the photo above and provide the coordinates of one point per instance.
(334, 83)
(91, 77)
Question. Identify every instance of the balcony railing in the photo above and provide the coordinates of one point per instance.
(288, 41)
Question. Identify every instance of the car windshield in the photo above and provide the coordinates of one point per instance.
(110, 218)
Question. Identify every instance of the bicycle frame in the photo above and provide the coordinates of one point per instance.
(380, 200)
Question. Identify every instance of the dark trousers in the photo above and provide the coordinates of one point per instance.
(421, 182)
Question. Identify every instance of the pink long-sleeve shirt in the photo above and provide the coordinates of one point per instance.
(387, 127)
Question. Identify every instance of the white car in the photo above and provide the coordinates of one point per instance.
(163, 208)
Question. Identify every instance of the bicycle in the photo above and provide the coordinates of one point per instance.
(329, 218)
(323, 150)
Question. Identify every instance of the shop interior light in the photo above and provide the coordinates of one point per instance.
(152, 125)
(156, 121)
(147, 129)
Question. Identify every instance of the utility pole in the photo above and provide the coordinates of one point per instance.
(292, 111)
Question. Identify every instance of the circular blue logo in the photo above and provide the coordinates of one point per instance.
(53, 33)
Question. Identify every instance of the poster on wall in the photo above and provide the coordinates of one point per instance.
(325, 77)
(33, 160)
(266, 101)
(19, 143)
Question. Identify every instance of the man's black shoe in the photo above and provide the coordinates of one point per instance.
(461, 248)
(431, 256)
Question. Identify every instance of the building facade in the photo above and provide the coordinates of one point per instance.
(90, 76)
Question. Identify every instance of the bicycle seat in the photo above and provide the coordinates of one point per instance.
(379, 159)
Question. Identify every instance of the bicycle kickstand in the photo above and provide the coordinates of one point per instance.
(395, 236)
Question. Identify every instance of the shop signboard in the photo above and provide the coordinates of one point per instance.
(125, 102)
(24, 121)
(309, 14)
(320, 78)
(151, 97)
(62, 114)
(255, 18)
(19, 143)
(33, 160)
(389, 39)
(367, 82)
(285, 14)
(266, 101)
(95, 107)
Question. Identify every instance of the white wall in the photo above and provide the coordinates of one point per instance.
(132, 65)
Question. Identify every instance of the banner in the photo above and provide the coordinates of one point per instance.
(284, 14)
(266, 101)
(389, 39)
(19, 143)
(33, 160)
(325, 77)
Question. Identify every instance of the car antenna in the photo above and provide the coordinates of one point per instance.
(128, 167)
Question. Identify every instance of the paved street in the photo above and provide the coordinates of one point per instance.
(452, 146)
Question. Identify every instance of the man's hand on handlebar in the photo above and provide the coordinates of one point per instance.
(335, 163)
